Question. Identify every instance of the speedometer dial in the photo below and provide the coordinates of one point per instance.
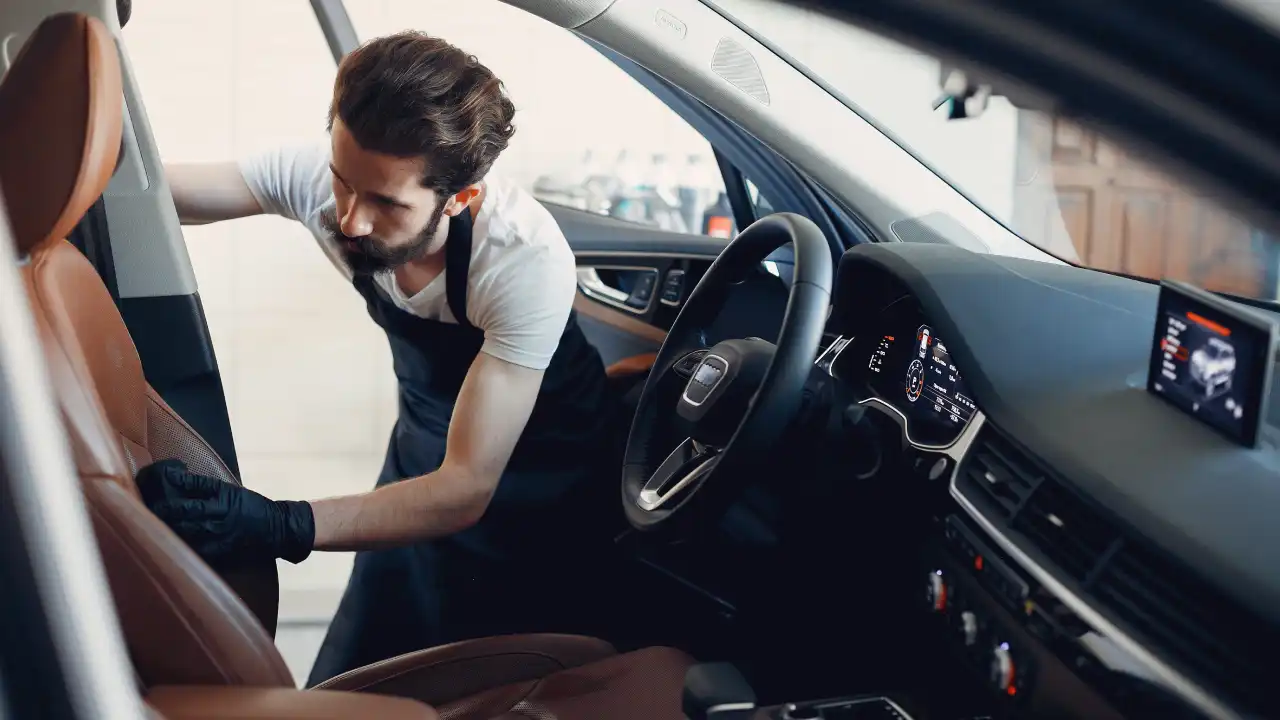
(915, 380)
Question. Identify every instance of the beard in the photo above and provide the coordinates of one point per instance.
(369, 255)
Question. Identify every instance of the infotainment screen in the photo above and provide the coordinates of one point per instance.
(1212, 359)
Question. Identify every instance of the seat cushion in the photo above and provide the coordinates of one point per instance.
(531, 677)
(458, 670)
(641, 685)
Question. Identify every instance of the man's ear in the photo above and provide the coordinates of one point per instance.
(461, 200)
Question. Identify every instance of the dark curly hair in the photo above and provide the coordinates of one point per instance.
(413, 95)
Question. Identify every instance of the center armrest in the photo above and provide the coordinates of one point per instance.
(184, 702)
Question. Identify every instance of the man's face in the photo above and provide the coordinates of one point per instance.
(383, 216)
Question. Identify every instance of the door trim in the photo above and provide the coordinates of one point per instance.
(591, 285)
(617, 319)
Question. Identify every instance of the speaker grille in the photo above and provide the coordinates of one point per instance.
(735, 64)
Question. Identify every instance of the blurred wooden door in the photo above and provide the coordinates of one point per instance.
(1123, 216)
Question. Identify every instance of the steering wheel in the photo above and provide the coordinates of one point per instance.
(733, 400)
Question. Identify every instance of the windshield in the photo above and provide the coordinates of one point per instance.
(1058, 185)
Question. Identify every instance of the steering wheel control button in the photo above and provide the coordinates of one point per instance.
(687, 364)
(673, 288)
(705, 379)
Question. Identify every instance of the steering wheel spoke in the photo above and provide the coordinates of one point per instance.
(690, 461)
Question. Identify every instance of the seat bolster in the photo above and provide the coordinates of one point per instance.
(443, 674)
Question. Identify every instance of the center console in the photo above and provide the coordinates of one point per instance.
(717, 691)
(863, 708)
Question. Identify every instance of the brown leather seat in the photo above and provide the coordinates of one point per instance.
(60, 130)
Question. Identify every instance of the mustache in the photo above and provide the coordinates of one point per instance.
(368, 254)
(369, 244)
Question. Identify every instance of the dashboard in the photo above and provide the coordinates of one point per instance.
(1093, 530)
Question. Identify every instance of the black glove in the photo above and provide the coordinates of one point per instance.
(220, 520)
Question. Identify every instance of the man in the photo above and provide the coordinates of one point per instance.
(501, 399)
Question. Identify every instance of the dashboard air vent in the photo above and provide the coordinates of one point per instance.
(996, 469)
(1192, 622)
(1066, 530)
(1188, 622)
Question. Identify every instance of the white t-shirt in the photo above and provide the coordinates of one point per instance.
(522, 279)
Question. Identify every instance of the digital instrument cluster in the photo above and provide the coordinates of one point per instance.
(906, 363)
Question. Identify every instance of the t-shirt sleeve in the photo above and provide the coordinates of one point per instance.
(292, 181)
(527, 308)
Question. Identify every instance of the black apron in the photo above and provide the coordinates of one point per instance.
(514, 570)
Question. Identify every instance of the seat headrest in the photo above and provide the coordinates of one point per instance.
(61, 112)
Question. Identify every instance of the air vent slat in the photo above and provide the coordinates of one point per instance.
(1006, 481)
(1064, 530)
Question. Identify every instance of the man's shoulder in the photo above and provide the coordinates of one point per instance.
(520, 231)
(524, 255)
(290, 179)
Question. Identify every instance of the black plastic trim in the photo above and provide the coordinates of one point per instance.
(173, 341)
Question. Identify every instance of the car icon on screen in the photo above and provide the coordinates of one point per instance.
(1212, 366)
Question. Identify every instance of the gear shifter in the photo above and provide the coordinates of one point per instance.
(717, 691)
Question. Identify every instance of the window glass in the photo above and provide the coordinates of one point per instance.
(588, 136)
(1059, 186)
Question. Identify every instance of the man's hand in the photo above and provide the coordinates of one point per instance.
(221, 520)
(493, 405)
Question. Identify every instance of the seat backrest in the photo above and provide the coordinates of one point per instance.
(61, 112)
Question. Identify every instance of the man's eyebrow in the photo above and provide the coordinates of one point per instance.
(387, 199)
(391, 201)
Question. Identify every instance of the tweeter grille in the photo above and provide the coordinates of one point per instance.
(735, 64)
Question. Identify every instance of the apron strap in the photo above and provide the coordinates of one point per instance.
(457, 265)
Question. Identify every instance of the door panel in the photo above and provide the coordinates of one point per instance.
(633, 280)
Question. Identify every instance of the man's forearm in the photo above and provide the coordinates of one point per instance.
(209, 192)
(441, 503)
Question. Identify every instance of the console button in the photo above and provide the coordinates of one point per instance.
(643, 291)
(936, 593)
(673, 287)
(801, 712)
(969, 627)
(1003, 670)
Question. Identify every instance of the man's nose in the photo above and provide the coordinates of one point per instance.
(355, 222)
